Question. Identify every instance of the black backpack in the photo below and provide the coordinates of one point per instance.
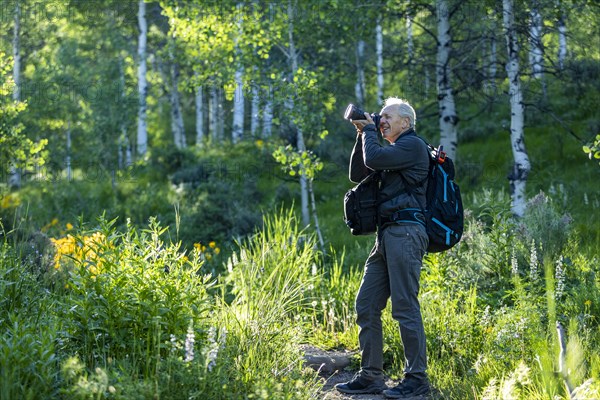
(444, 210)
(444, 217)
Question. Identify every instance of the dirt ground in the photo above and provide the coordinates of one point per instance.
(329, 392)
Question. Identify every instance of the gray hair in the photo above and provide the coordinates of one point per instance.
(404, 109)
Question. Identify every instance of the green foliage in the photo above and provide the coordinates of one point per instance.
(593, 149)
(16, 148)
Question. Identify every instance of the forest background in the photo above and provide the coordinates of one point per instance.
(172, 184)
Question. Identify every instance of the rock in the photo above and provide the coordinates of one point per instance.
(326, 362)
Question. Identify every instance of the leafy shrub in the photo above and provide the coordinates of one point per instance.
(127, 293)
(544, 224)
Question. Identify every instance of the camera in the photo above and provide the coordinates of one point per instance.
(355, 113)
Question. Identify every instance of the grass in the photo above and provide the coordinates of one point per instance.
(130, 315)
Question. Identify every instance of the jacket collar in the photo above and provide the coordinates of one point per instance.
(409, 132)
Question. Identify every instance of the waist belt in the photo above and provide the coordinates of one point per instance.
(407, 215)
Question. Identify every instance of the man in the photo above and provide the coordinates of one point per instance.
(394, 265)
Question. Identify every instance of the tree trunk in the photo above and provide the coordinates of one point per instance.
(536, 51)
(379, 52)
(314, 213)
(199, 115)
(447, 109)
(122, 137)
(176, 115)
(268, 114)
(521, 167)
(238, 107)
(237, 131)
(489, 84)
(359, 87)
(17, 52)
(299, 135)
(14, 176)
(68, 158)
(254, 111)
(142, 127)
(410, 45)
(562, 38)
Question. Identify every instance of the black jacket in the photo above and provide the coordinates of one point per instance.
(408, 156)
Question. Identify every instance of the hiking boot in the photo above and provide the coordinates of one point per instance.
(361, 385)
(410, 388)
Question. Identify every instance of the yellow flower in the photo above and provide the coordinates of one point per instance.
(69, 226)
(217, 250)
(588, 303)
(198, 246)
(212, 245)
(54, 221)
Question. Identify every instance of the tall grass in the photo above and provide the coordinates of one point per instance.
(130, 315)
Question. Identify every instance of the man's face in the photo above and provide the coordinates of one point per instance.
(392, 124)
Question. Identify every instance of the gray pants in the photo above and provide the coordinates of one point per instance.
(393, 268)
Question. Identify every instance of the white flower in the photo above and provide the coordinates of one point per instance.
(514, 264)
(190, 339)
(560, 278)
(533, 262)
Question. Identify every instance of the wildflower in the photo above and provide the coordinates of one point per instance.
(190, 339)
(173, 343)
(514, 264)
(588, 303)
(212, 245)
(213, 349)
(69, 226)
(533, 262)
(559, 276)
(198, 247)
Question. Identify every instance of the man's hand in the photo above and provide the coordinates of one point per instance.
(361, 123)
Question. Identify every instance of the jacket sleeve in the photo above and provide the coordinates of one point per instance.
(399, 156)
(358, 170)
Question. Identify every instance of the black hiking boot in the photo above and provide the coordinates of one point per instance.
(361, 385)
(410, 388)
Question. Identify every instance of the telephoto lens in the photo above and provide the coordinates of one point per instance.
(353, 112)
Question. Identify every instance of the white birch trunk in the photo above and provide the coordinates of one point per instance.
(220, 114)
(379, 54)
(237, 131)
(68, 158)
(491, 55)
(177, 126)
(199, 101)
(447, 109)
(536, 51)
(410, 45)
(14, 175)
(268, 115)
(562, 39)
(521, 167)
(128, 154)
(254, 112)
(213, 112)
(493, 59)
(359, 87)
(142, 126)
(238, 107)
(122, 137)
(17, 52)
(299, 135)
